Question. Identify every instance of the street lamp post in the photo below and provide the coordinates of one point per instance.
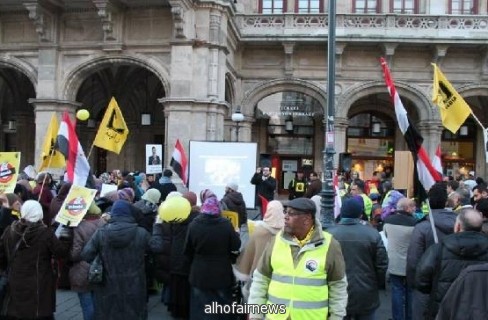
(328, 191)
(237, 117)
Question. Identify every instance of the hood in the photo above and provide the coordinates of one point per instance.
(444, 220)
(468, 244)
(120, 231)
(27, 230)
(235, 198)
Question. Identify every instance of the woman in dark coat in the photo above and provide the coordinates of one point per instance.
(32, 281)
(211, 245)
(122, 245)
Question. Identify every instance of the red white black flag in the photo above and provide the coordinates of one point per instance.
(424, 173)
(179, 162)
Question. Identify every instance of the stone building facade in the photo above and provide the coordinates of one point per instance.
(191, 64)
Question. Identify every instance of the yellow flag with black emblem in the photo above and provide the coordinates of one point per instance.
(454, 110)
(50, 157)
(113, 131)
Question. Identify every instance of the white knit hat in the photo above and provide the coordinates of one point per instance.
(31, 211)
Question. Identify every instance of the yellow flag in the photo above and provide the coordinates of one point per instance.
(454, 110)
(113, 131)
(57, 160)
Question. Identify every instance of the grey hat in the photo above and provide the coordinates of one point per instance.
(232, 185)
(302, 204)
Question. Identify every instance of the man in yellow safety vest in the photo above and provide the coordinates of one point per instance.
(301, 274)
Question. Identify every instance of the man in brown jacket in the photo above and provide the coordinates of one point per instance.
(314, 186)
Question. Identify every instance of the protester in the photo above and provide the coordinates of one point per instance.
(58, 200)
(265, 186)
(443, 262)
(164, 185)
(318, 270)
(78, 273)
(43, 194)
(10, 210)
(314, 186)
(398, 230)
(234, 201)
(297, 186)
(26, 249)
(211, 246)
(365, 258)
(423, 237)
(264, 232)
(121, 243)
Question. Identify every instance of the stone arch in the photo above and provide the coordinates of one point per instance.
(21, 66)
(414, 94)
(75, 78)
(266, 88)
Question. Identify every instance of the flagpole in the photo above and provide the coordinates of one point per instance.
(91, 149)
(432, 222)
(45, 175)
(477, 120)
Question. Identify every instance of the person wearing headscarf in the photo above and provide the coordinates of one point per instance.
(122, 244)
(264, 232)
(175, 265)
(42, 193)
(26, 249)
(78, 273)
(211, 245)
(205, 194)
(24, 190)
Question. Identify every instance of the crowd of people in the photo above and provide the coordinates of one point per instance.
(287, 259)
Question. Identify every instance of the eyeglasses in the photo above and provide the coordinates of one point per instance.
(293, 213)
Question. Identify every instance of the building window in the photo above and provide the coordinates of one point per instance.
(309, 6)
(404, 6)
(366, 6)
(272, 6)
(463, 6)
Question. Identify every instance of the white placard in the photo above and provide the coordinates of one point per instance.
(106, 188)
(154, 156)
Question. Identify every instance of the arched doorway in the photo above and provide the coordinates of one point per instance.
(289, 129)
(17, 115)
(137, 91)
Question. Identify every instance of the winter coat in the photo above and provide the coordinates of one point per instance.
(398, 229)
(366, 263)
(466, 298)
(422, 238)
(58, 200)
(173, 259)
(122, 245)
(45, 201)
(32, 280)
(234, 201)
(443, 262)
(165, 186)
(78, 273)
(209, 245)
(313, 188)
(265, 188)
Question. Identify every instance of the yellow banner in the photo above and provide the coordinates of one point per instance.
(75, 205)
(454, 110)
(9, 170)
(113, 131)
(57, 160)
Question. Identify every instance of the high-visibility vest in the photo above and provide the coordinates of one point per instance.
(302, 289)
(298, 186)
(368, 205)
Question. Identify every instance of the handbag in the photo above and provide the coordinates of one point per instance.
(95, 273)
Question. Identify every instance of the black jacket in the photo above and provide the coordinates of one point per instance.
(164, 188)
(265, 188)
(366, 263)
(209, 245)
(234, 201)
(466, 298)
(443, 262)
(422, 238)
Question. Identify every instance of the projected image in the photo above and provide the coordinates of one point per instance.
(221, 171)
(215, 164)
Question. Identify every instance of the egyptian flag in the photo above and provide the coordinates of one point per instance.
(179, 162)
(77, 166)
(425, 175)
(437, 162)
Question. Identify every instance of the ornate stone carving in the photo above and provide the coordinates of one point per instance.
(439, 53)
(105, 12)
(178, 20)
(289, 46)
(42, 21)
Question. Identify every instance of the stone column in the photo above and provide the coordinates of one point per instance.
(43, 109)
(340, 136)
(431, 131)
